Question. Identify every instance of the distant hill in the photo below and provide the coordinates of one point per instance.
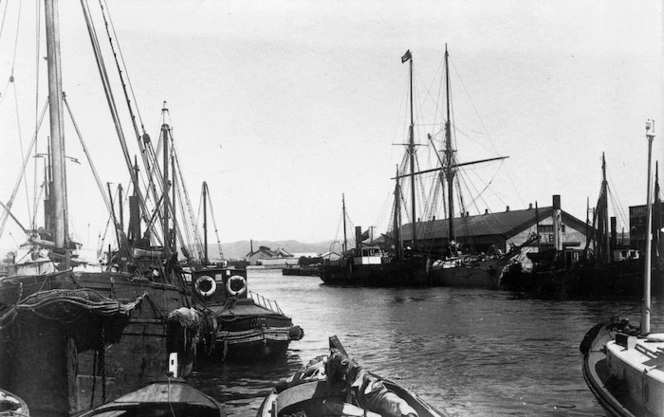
(239, 249)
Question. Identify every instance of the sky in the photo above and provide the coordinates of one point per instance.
(283, 106)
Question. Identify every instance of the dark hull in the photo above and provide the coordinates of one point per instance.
(621, 280)
(87, 360)
(247, 331)
(407, 273)
(303, 272)
(485, 274)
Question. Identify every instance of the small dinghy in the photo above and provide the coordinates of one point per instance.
(12, 406)
(335, 385)
(171, 397)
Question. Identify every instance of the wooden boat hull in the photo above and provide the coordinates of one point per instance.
(170, 397)
(240, 327)
(85, 361)
(324, 386)
(609, 390)
(484, 275)
(407, 273)
(309, 397)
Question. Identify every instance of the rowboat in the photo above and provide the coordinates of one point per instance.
(167, 397)
(336, 385)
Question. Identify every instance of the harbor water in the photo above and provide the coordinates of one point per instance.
(468, 352)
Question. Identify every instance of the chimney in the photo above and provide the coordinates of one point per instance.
(434, 218)
(530, 206)
(507, 209)
(251, 246)
(557, 224)
(486, 211)
(467, 213)
(358, 237)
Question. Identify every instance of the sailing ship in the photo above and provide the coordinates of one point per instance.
(621, 363)
(391, 264)
(238, 325)
(74, 335)
(456, 263)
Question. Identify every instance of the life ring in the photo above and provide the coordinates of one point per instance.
(207, 281)
(229, 286)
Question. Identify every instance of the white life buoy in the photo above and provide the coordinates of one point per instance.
(229, 286)
(209, 281)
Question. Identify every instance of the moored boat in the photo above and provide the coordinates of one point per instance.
(167, 397)
(239, 325)
(336, 385)
(75, 334)
(622, 363)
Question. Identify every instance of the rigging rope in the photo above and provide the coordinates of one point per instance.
(26, 159)
(214, 223)
(111, 103)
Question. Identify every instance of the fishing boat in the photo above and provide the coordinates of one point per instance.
(238, 325)
(336, 385)
(603, 268)
(391, 264)
(622, 363)
(12, 406)
(167, 397)
(373, 265)
(75, 334)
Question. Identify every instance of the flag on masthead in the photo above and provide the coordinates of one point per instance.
(406, 56)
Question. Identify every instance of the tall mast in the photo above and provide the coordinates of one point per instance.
(397, 217)
(411, 151)
(449, 155)
(645, 308)
(205, 232)
(343, 209)
(165, 189)
(57, 145)
(605, 213)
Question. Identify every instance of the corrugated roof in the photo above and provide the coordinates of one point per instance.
(507, 223)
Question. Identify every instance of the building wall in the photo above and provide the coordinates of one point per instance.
(572, 238)
(258, 256)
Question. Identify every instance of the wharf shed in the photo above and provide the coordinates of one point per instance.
(502, 231)
(263, 253)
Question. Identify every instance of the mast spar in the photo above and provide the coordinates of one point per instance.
(645, 308)
(56, 140)
(449, 155)
(411, 151)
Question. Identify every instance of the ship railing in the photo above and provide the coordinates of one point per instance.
(265, 302)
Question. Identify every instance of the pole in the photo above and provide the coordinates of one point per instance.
(645, 309)
(57, 145)
(165, 188)
(343, 211)
(449, 155)
(205, 231)
(411, 150)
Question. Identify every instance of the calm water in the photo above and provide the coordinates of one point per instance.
(468, 352)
